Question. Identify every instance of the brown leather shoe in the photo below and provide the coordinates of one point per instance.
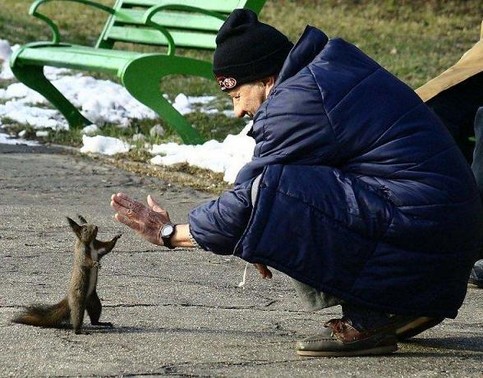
(340, 338)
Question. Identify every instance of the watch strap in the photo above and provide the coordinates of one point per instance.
(167, 239)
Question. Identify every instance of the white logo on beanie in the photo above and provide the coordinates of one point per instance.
(226, 82)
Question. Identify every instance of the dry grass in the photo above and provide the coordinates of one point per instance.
(413, 39)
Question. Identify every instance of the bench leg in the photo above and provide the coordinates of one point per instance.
(33, 77)
(141, 78)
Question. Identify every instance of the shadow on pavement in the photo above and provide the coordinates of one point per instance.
(460, 343)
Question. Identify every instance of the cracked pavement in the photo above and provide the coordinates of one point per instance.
(175, 313)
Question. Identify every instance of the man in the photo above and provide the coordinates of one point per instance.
(355, 190)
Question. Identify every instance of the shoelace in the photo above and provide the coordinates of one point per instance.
(242, 283)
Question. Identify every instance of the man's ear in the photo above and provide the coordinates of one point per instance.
(268, 83)
(269, 80)
(75, 227)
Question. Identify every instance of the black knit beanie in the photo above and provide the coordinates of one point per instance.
(247, 50)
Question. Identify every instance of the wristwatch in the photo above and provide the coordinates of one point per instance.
(166, 232)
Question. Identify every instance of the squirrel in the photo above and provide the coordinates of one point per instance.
(82, 294)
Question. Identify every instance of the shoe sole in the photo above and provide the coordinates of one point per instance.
(349, 353)
(477, 283)
(416, 327)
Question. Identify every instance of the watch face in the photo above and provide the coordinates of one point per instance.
(167, 230)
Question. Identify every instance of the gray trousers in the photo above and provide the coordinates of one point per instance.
(313, 299)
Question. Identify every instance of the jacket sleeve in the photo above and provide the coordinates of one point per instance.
(218, 225)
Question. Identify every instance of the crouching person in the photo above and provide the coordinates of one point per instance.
(355, 190)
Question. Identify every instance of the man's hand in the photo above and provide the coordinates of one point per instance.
(264, 271)
(145, 220)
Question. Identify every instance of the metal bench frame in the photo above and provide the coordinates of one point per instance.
(171, 24)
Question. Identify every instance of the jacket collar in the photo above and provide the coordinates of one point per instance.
(305, 50)
(310, 44)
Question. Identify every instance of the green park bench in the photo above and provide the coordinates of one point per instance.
(169, 24)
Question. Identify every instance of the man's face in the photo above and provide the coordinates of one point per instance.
(247, 98)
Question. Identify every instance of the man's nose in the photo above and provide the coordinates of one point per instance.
(238, 110)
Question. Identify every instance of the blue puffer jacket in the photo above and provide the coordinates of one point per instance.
(363, 193)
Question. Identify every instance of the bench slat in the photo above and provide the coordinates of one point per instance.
(78, 57)
(225, 6)
(185, 26)
(171, 19)
(153, 37)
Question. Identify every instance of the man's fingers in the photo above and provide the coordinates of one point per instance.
(116, 206)
(264, 271)
(129, 222)
(129, 207)
(119, 202)
(151, 201)
(125, 211)
(122, 200)
(154, 205)
(119, 194)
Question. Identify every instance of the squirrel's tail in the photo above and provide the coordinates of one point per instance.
(44, 315)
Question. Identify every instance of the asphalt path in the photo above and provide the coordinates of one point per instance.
(176, 313)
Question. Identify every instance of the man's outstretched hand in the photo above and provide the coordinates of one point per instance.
(145, 220)
(148, 220)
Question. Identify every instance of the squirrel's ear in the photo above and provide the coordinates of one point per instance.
(75, 227)
(82, 219)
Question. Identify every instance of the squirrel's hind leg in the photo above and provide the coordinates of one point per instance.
(94, 309)
(77, 308)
